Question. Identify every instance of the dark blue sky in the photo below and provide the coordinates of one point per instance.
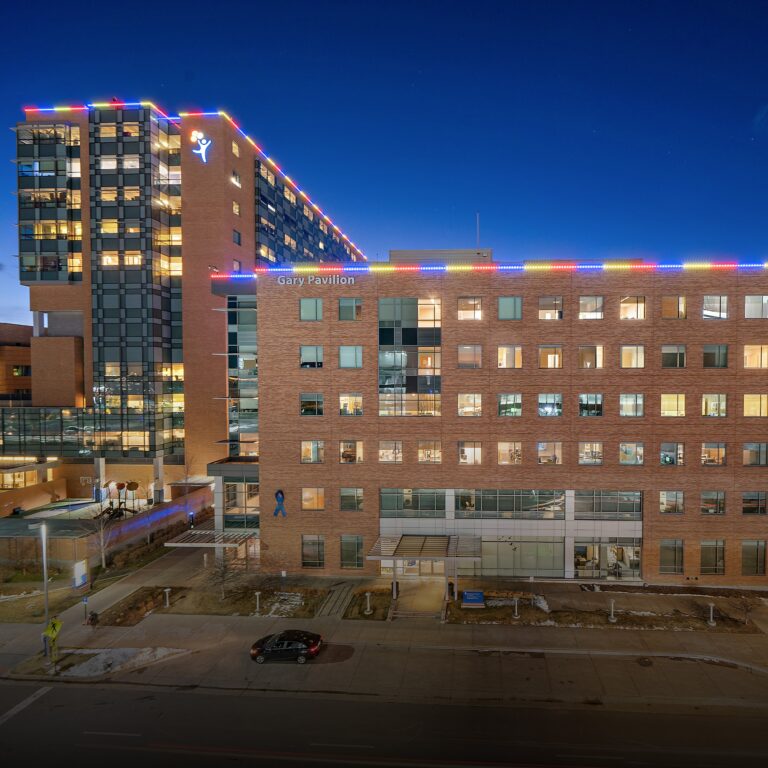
(590, 129)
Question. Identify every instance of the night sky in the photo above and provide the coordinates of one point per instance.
(576, 129)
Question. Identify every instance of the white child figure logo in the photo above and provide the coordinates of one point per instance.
(202, 144)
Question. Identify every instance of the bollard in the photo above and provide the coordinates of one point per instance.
(516, 615)
(205, 559)
(258, 603)
(612, 618)
(167, 591)
(368, 610)
(711, 622)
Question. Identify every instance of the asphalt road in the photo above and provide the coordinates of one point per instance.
(116, 725)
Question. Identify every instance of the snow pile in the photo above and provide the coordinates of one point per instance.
(286, 603)
(540, 602)
(107, 660)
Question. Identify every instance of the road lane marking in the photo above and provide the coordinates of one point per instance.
(346, 746)
(24, 704)
(108, 733)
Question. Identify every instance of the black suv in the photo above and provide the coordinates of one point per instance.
(290, 644)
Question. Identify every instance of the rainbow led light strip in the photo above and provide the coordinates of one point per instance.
(287, 179)
(518, 268)
(218, 113)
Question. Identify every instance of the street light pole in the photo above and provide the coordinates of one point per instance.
(44, 537)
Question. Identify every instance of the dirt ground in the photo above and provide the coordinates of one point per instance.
(29, 606)
(380, 602)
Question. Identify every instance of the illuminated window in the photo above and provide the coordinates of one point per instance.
(672, 455)
(351, 405)
(107, 131)
(673, 307)
(673, 355)
(350, 451)
(550, 307)
(470, 404)
(266, 174)
(632, 308)
(312, 451)
(110, 259)
(673, 405)
(132, 227)
(289, 241)
(312, 499)
(266, 252)
(713, 405)
(713, 454)
(671, 502)
(108, 163)
(590, 307)
(132, 259)
(391, 451)
(75, 262)
(430, 452)
(235, 179)
(509, 453)
(550, 404)
(510, 404)
(470, 308)
(756, 405)
(308, 213)
(756, 355)
(631, 453)
(590, 453)
(550, 356)
(755, 307)
(235, 149)
(632, 356)
(131, 194)
(235, 207)
(591, 357)
(510, 356)
(108, 226)
(289, 196)
(470, 356)
(130, 130)
(549, 453)
(131, 163)
(108, 194)
(470, 452)
(631, 405)
(715, 308)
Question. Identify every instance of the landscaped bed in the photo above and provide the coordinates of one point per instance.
(380, 602)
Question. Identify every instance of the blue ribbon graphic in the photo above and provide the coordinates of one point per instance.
(280, 498)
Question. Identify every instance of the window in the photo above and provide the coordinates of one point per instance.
(131, 163)
(470, 356)
(107, 131)
(712, 502)
(235, 207)
(510, 356)
(713, 454)
(671, 556)
(712, 558)
(631, 453)
(510, 404)
(391, 451)
(110, 259)
(550, 404)
(713, 405)
(549, 453)
(756, 355)
(753, 558)
(590, 307)
(632, 356)
(351, 500)
(351, 357)
(756, 405)
(310, 309)
(351, 404)
(312, 551)
(632, 308)
(673, 307)
(590, 405)
(132, 259)
(550, 356)
(352, 551)
(510, 307)
(108, 194)
(755, 454)
(108, 226)
(590, 453)
(715, 356)
(755, 307)
(310, 357)
(591, 357)
(350, 309)
(470, 404)
(312, 451)
(550, 307)
(131, 194)
(312, 499)
(631, 405)
(311, 404)
(235, 149)
(350, 452)
(470, 452)
(671, 502)
(673, 405)
(715, 308)
(235, 179)
(236, 237)
(673, 356)
(672, 454)
(289, 195)
(430, 452)
(509, 453)
(470, 308)
(753, 503)
(108, 164)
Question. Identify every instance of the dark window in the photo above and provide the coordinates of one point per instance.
(715, 356)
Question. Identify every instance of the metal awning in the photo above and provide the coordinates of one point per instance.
(409, 547)
(212, 539)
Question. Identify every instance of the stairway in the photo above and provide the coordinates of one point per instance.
(336, 601)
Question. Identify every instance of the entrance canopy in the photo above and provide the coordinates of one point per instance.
(200, 537)
(409, 547)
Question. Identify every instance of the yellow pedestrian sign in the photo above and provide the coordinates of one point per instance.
(53, 628)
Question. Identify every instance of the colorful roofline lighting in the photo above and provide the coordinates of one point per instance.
(216, 113)
(518, 267)
(287, 179)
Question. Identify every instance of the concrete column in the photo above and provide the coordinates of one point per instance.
(42, 474)
(570, 569)
(218, 515)
(570, 505)
(38, 323)
(158, 475)
(450, 512)
(99, 478)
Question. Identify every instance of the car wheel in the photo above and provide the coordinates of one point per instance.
(301, 659)
(260, 659)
